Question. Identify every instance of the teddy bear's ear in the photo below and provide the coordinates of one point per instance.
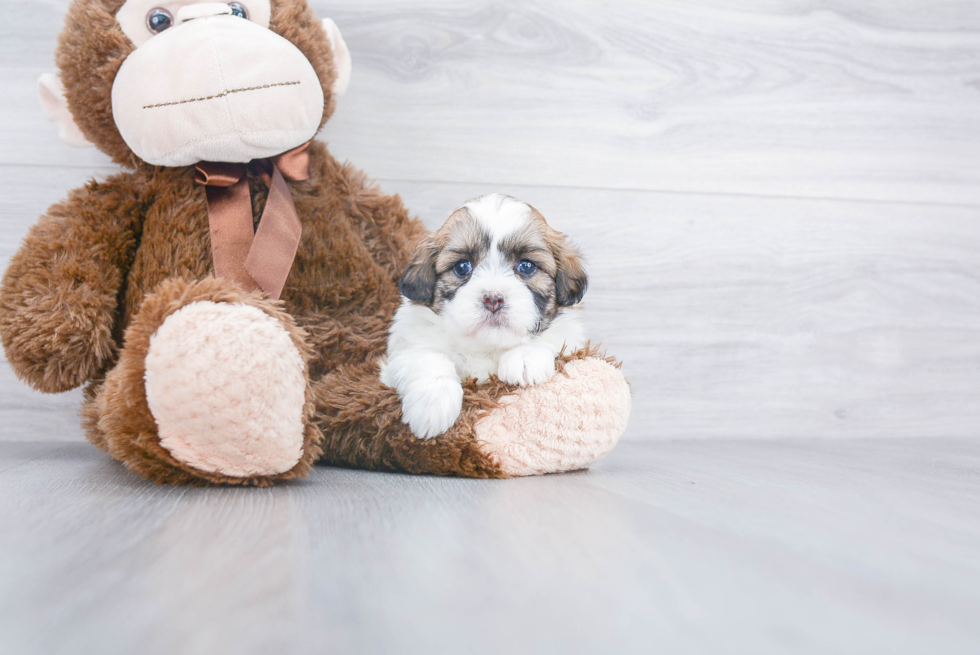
(341, 56)
(55, 109)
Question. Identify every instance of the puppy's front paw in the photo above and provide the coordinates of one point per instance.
(432, 406)
(526, 365)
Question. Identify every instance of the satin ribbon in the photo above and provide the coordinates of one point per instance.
(254, 258)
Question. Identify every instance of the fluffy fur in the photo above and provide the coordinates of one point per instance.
(483, 296)
(101, 272)
(567, 424)
(116, 412)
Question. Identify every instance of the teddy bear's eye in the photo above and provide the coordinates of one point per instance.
(463, 268)
(159, 19)
(238, 9)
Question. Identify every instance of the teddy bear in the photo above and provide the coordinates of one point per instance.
(225, 299)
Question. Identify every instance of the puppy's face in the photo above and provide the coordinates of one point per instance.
(496, 272)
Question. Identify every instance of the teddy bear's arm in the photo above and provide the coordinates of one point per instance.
(59, 295)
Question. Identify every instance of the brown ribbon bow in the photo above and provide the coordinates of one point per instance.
(254, 258)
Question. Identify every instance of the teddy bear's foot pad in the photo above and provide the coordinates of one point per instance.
(564, 424)
(226, 387)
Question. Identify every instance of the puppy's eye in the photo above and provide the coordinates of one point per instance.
(526, 267)
(159, 19)
(463, 268)
(238, 9)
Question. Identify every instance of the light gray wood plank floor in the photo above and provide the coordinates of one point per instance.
(808, 546)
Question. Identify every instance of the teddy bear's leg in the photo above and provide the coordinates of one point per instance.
(211, 386)
(564, 424)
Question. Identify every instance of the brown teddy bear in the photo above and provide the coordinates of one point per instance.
(226, 299)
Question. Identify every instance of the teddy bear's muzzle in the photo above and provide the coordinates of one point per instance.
(217, 88)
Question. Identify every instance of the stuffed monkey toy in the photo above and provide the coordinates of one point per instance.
(225, 299)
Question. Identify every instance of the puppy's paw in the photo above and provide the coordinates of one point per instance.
(526, 365)
(431, 406)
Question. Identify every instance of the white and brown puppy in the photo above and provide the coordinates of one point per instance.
(485, 295)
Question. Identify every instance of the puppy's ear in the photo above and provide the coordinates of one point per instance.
(570, 278)
(418, 282)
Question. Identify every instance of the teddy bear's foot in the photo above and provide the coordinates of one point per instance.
(211, 387)
(226, 387)
(564, 424)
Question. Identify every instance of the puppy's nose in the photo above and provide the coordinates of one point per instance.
(493, 301)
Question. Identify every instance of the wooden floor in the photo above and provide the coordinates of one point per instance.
(779, 201)
(809, 546)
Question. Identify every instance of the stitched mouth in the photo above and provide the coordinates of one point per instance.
(221, 95)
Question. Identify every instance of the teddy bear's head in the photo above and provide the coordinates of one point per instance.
(174, 82)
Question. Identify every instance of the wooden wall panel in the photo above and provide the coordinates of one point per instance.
(780, 201)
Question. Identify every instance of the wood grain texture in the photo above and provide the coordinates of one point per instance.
(779, 201)
(779, 205)
(804, 546)
(735, 317)
(768, 98)
(772, 97)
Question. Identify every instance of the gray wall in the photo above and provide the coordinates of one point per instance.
(779, 199)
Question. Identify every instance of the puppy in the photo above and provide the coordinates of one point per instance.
(485, 295)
